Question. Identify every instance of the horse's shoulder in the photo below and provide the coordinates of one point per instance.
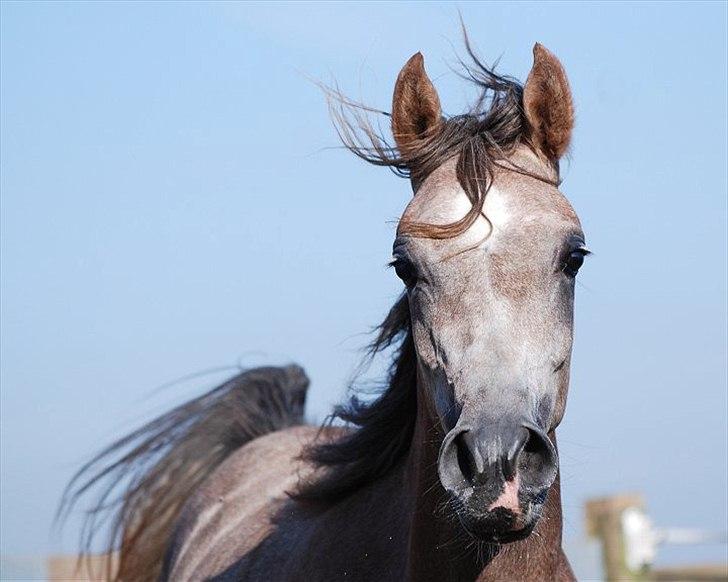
(234, 509)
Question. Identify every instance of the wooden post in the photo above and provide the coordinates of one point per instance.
(604, 521)
(705, 573)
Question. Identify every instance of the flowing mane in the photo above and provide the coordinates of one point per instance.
(143, 479)
(384, 426)
(481, 139)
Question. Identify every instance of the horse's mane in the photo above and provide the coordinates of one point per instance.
(385, 426)
(481, 139)
(144, 479)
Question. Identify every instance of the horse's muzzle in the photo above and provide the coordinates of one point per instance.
(498, 477)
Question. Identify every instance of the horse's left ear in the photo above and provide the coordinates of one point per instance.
(548, 105)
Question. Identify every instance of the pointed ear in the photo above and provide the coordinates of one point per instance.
(415, 106)
(548, 105)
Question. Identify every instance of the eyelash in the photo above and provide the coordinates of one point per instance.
(405, 271)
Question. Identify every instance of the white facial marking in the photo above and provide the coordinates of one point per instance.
(495, 216)
(508, 499)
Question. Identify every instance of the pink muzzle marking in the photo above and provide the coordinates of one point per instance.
(508, 499)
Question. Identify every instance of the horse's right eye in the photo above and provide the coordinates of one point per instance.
(405, 271)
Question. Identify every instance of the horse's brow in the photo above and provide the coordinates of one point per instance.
(401, 241)
(576, 237)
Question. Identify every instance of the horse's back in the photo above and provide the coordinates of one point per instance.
(234, 510)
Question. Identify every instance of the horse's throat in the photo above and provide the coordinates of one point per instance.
(438, 548)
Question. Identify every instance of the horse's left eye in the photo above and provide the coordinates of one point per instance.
(574, 262)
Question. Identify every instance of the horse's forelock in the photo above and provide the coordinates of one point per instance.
(489, 132)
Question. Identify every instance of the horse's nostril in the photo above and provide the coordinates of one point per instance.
(537, 461)
(466, 462)
(487, 457)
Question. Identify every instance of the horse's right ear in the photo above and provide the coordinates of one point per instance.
(416, 111)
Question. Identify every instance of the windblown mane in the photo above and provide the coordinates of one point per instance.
(481, 139)
(385, 426)
(144, 479)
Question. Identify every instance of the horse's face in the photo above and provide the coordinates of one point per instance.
(491, 315)
(492, 320)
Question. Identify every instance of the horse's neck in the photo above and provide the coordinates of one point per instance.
(439, 549)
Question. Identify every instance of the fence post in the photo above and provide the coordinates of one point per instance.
(604, 520)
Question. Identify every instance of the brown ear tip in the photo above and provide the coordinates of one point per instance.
(416, 60)
(540, 51)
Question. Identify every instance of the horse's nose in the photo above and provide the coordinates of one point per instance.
(517, 453)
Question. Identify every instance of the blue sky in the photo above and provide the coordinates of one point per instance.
(171, 204)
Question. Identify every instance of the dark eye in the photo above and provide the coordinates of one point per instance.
(405, 271)
(574, 261)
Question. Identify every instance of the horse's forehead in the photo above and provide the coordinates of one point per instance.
(528, 197)
(512, 200)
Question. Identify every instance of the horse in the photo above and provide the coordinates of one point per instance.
(451, 472)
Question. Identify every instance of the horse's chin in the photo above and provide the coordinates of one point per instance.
(499, 526)
(486, 532)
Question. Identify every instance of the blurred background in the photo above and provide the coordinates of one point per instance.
(174, 203)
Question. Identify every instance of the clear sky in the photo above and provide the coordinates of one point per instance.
(169, 205)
